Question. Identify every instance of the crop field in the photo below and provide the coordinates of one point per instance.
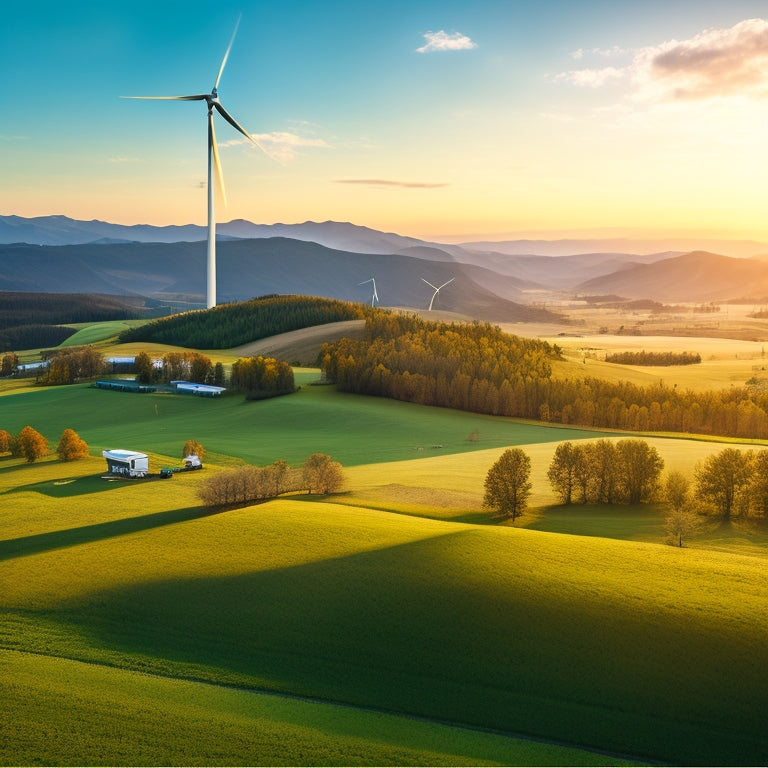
(394, 623)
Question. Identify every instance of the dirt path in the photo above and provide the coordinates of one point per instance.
(301, 346)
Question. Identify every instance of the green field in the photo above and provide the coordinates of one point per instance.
(137, 627)
(354, 429)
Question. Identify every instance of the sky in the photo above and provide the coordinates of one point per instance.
(448, 121)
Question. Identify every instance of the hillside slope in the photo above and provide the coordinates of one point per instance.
(248, 268)
(696, 276)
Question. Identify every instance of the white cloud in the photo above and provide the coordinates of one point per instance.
(392, 183)
(592, 78)
(444, 41)
(715, 63)
(281, 145)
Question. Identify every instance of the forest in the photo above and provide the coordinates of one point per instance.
(33, 336)
(476, 367)
(230, 325)
(19, 308)
(654, 358)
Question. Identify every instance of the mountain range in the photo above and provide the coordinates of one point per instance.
(492, 280)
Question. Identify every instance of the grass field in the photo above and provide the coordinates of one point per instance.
(377, 626)
(289, 428)
(515, 630)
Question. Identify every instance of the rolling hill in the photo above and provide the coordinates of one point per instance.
(698, 276)
(248, 268)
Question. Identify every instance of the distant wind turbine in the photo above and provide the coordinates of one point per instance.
(212, 100)
(437, 290)
(375, 297)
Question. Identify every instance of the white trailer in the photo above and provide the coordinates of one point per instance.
(127, 463)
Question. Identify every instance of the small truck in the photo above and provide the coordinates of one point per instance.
(190, 462)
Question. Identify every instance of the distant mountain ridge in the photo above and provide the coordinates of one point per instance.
(698, 276)
(321, 258)
(62, 230)
(249, 268)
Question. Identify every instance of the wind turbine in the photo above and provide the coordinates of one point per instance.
(437, 290)
(212, 100)
(375, 297)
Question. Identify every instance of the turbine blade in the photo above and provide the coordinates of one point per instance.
(199, 97)
(231, 120)
(226, 55)
(446, 283)
(430, 284)
(216, 159)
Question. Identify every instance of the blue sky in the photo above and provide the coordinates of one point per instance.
(434, 119)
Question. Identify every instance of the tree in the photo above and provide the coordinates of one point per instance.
(31, 444)
(641, 467)
(565, 470)
(682, 522)
(508, 485)
(192, 447)
(279, 472)
(72, 446)
(758, 492)
(8, 363)
(321, 474)
(722, 479)
(676, 489)
(5, 441)
(143, 368)
(601, 458)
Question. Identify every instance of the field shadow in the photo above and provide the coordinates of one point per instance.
(65, 487)
(88, 534)
(407, 628)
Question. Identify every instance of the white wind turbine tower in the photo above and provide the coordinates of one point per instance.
(375, 297)
(437, 290)
(212, 100)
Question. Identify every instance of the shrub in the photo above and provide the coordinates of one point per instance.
(72, 446)
(192, 447)
(31, 444)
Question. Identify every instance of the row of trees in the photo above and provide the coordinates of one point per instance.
(320, 474)
(178, 366)
(654, 358)
(726, 485)
(476, 367)
(31, 445)
(230, 325)
(605, 472)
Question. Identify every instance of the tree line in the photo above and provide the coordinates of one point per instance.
(654, 358)
(33, 336)
(31, 445)
(320, 474)
(258, 377)
(230, 325)
(19, 308)
(476, 367)
(728, 485)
